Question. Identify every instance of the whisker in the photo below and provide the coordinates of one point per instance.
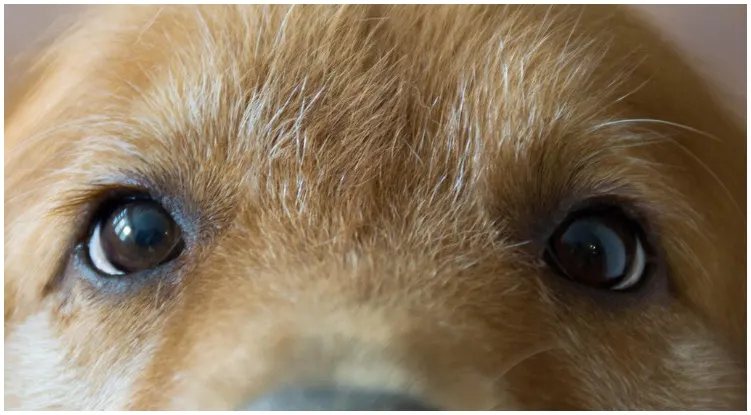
(526, 355)
(656, 121)
(727, 191)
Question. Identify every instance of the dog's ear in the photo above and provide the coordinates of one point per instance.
(706, 151)
(685, 98)
(35, 85)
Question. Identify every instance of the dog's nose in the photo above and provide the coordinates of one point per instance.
(330, 399)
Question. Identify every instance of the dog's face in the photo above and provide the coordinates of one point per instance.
(453, 207)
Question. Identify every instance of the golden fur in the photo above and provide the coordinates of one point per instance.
(367, 186)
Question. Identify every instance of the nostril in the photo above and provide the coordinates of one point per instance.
(331, 399)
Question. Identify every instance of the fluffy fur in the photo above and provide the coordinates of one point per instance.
(365, 192)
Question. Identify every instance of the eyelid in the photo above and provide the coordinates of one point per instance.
(73, 202)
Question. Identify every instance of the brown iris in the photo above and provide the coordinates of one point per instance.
(599, 248)
(135, 236)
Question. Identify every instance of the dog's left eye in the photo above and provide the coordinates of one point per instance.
(602, 248)
(132, 236)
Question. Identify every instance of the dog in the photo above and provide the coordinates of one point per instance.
(372, 207)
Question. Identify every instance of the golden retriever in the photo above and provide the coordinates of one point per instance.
(372, 207)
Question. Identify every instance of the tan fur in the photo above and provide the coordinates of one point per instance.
(368, 185)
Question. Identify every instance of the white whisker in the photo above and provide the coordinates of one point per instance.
(712, 174)
(526, 355)
(655, 121)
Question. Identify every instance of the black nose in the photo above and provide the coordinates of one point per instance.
(329, 399)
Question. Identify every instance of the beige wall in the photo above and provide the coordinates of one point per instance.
(714, 36)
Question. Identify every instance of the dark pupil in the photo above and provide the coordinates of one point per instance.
(139, 235)
(595, 251)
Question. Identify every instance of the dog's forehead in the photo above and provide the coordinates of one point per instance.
(338, 105)
(351, 88)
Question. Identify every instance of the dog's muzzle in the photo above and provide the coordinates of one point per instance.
(330, 399)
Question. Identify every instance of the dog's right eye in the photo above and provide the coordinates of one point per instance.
(133, 235)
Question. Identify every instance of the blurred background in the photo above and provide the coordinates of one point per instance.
(713, 36)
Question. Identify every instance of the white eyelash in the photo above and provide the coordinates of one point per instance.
(636, 272)
(97, 255)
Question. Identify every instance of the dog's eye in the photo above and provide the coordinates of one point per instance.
(133, 236)
(600, 248)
